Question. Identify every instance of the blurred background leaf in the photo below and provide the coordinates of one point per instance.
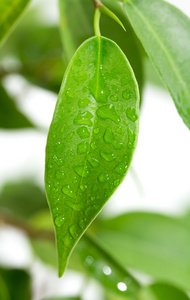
(4, 293)
(10, 116)
(10, 11)
(162, 291)
(17, 282)
(22, 198)
(154, 244)
(64, 298)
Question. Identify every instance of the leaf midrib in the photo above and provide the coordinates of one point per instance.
(172, 63)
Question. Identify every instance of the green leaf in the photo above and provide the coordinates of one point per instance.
(162, 291)
(76, 23)
(10, 11)
(165, 34)
(154, 244)
(17, 282)
(45, 250)
(4, 293)
(22, 198)
(105, 269)
(91, 139)
(10, 116)
(63, 298)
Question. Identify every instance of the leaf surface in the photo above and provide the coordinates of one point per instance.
(91, 139)
(165, 34)
(154, 244)
(10, 10)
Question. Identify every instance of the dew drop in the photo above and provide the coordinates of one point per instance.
(83, 102)
(131, 139)
(108, 112)
(113, 98)
(124, 81)
(107, 270)
(59, 147)
(117, 145)
(116, 182)
(82, 147)
(131, 114)
(95, 188)
(59, 221)
(68, 191)
(93, 145)
(103, 177)
(107, 156)
(89, 260)
(126, 94)
(58, 161)
(60, 174)
(121, 168)
(68, 242)
(96, 130)
(82, 171)
(122, 286)
(94, 162)
(83, 118)
(74, 231)
(83, 187)
(83, 132)
(82, 224)
(108, 136)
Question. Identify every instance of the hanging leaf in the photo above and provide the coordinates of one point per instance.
(165, 34)
(10, 11)
(91, 139)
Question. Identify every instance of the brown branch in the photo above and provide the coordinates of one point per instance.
(97, 3)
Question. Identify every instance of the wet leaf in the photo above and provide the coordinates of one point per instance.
(162, 291)
(147, 242)
(10, 116)
(10, 11)
(91, 139)
(165, 34)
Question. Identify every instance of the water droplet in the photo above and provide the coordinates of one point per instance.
(68, 242)
(82, 223)
(108, 136)
(107, 156)
(93, 145)
(83, 102)
(89, 260)
(113, 98)
(68, 191)
(107, 270)
(118, 145)
(102, 92)
(69, 135)
(124, 81)
(96, 130)
(82, 147)
(94, 162)
(89, 211)
(55, 210)
(83, 132)
(122, 286)
(58, 161)
(108, 112)
(81, 171)
(95, 188)
(83, 187)
(74, 231)
(92, 198)
(126, 94)
(131, 139)
(103, 177)
(59, 174)
(59, 220)
(59, 147)
(116, 182)
(49, 166)
(131, 114)
(83, 118)
(121, 168)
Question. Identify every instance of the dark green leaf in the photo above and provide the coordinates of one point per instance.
(162, 291)
(22, 198)
(18, 283)
(91, 139)
(76, 21)
(105, 269)
(4, 293)
(10, 116)
(154, 244)
(165, 34)
(10, 11)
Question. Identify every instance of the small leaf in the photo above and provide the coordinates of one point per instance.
(162, 291)
(17, 282)
(110, 14)
(79, 180)
(165, 34)
(10, 11)
(147, 242)
(10, 116)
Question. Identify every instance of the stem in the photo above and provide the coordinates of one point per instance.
(97, 21)
(97, 3)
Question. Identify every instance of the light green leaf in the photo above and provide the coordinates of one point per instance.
(162, 291)
(10, 11)
(10, 116)
(91, 139)
(76, 20)
(165, 34)
(154, 244)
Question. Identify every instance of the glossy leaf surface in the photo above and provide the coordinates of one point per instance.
(76, 19)
(10, 10)
(147, 242)
(162, 291)
(91, 139)
(165, 34)
(10, 116)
